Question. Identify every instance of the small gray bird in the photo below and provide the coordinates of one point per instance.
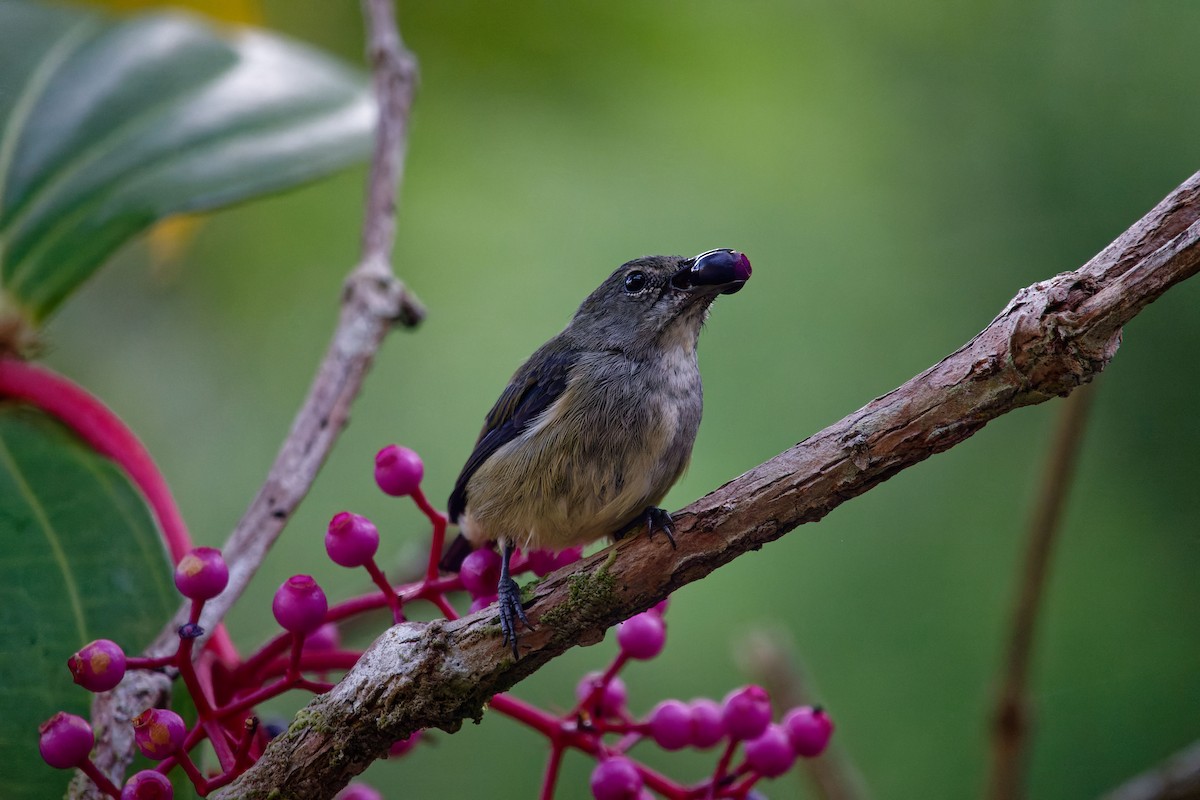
(594, 429)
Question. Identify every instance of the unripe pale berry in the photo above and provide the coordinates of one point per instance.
(300, 605)
(612, 699)
(643, 636)
(708, 723)
(351, 540)
(771, 753)
(158, 732)
(671, 724)
(148, 784)
(65, 741)
(746, 712)
(809, 728)
(480, 571)
(358, 791)
(98, 666)
(398, 470)
(616, 778)
(201, 574)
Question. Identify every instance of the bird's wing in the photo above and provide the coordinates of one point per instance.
(531, 392)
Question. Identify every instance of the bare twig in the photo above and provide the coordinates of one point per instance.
(1053, 337)
(1177, 778)
(769, 657)
(373, 301)
(1011, 722)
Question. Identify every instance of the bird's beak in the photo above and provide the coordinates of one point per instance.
(724, 271)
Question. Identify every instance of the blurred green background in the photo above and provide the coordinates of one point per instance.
(896, 172)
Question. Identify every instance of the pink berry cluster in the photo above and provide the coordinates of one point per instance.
(226, 688)
(741, 722)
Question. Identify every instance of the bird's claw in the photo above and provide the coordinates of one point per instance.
(658, 519)
(509, 598)
(655, 519)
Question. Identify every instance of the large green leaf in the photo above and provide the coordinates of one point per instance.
(80, 559)
(107, 126)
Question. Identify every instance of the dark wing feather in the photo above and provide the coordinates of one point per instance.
(537, 384)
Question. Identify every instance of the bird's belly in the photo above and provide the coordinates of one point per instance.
(561, 485)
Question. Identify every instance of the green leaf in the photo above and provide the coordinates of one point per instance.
(80, 559)
(107, 126)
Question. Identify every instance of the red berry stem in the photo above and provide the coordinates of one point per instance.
(293, 672)
(722, 769)
(209, 721)
(202, 784)
(551, 777)
(150, 663)
(241, 756)
(389, 593)
(312, 662)
(438, 598)
(100, 779)
(439, 521)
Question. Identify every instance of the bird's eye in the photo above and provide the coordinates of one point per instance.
(635, 282)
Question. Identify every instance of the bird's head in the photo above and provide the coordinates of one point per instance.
(657, 300)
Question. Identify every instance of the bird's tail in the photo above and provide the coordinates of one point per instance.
(453, 557)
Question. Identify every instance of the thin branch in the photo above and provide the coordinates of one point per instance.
(1177, 778)
(1053, 337)
(373, 301)
(769, 657)
(1011, 721)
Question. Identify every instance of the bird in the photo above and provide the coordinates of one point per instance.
(597, 425)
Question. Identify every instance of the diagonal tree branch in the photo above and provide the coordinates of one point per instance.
(1177, 778)
(373, 301)
(1051, 338)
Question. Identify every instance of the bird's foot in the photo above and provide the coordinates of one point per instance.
(654, 520)
(509, 595)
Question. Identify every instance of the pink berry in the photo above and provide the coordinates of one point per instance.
(708, 723)
(643, 636)
(300, 605)
(568, 556)
(358, 791)
(482, 602)
(661, 606)
(98, 666)
(158, 732)
(351, 540)
(66, 740)
(542, 562)
(671, 724)
(747, 712)
(612, 699)
(201, 574)
(809, 728)
(324, 639)
(148, 784)
(402, 746)
(616, 778)
(771, 753)
(480, 571)
(398, 470)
